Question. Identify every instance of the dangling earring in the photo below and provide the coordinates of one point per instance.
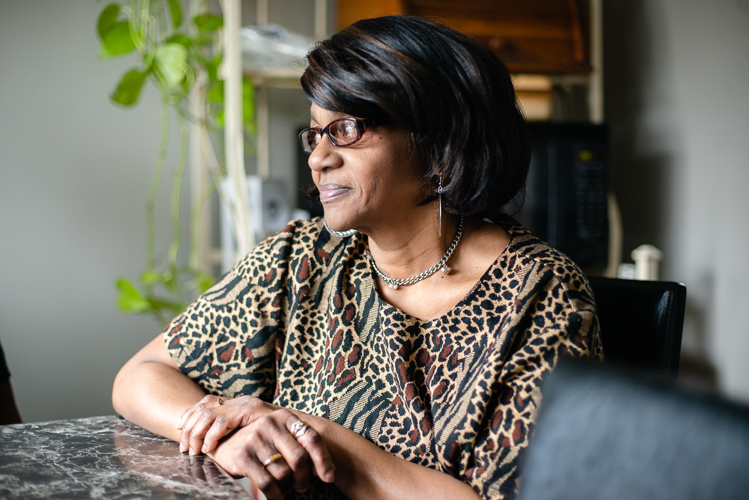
(439, 208)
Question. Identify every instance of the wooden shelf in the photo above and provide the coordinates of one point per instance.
(532, 36)
(275, 77)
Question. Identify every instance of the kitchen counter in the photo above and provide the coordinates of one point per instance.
(104, 457)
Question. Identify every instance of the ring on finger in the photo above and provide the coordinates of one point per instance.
(220, 401)
(271, 459)
(298, 429)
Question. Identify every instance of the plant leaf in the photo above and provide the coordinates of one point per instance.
(170, 63)
(181, 39)
(152, 277)
(248, 102)
(106, 19)
(175, 307)
(128, 90)
(171, 280)
(216, 94)
(205, 281)
(130, 299)
(176, 10)
(203, 38)
(211, 67)
(117, 40)
(208, 22)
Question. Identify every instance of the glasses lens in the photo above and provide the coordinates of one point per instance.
(344, 131)
(309, 138)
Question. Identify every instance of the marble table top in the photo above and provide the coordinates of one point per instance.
(104, 457)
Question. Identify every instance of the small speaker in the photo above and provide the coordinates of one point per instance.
(268, 208)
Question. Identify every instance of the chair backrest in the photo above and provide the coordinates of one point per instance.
(641, 322)
(604, 435)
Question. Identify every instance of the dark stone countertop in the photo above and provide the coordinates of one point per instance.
(104, 457)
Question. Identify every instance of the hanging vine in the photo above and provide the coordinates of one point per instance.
(173, 56)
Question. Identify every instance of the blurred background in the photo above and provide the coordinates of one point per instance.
(670, 78)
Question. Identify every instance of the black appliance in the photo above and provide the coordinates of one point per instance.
(566, 202)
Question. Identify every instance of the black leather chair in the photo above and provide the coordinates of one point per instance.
(605, 435)
(641, 322)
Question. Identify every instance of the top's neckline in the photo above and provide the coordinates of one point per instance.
(509, 227)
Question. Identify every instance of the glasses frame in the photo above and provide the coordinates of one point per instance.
(362, 124)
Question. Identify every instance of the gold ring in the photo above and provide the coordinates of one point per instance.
(274, 458)
(298, 429)
(220, 401)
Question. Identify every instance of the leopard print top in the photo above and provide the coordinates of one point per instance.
(299, 322)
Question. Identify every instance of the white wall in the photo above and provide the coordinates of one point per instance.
(74, 173)
(677, 99)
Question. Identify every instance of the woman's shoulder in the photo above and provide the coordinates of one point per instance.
(297, 240)
(526, 251)
(302, 249)
(298, 235)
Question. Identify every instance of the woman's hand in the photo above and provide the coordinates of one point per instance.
(213, 417)
(273, 448)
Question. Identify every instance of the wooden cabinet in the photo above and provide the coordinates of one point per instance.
(531, 36)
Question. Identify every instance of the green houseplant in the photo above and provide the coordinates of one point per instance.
(175, 56)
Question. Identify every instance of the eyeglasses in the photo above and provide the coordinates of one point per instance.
(342, 132)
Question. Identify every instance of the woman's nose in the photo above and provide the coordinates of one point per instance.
(324, 155)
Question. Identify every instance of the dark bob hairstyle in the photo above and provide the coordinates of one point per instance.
(454, 96)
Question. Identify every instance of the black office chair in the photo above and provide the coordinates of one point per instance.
(604, 435)
(641, 322)
(8, 410)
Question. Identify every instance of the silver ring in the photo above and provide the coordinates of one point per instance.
(298, 429)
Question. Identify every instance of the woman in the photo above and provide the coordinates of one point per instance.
(402, 360)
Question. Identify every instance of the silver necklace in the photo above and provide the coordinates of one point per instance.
(442, 264)
(340, 234)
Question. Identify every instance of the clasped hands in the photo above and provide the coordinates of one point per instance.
(249, 437)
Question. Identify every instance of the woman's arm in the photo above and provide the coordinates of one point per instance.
(151, 391)
(363, 470)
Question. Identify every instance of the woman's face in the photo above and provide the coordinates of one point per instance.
(370, 185)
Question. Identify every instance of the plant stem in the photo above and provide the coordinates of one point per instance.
(195, 223)
(154, 188)
(179, 175)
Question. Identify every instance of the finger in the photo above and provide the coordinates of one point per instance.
(315, 447)
(243, 411)
(198, 423)
(273, 447)
(188, 425)
(222, 426)
(185, 415)
(262, 478)
(209, 417)
(186, 420)
(295, 456)
(188, 412)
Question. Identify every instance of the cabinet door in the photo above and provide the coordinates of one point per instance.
(531, 36)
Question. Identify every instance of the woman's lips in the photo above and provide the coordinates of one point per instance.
(330, 192)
